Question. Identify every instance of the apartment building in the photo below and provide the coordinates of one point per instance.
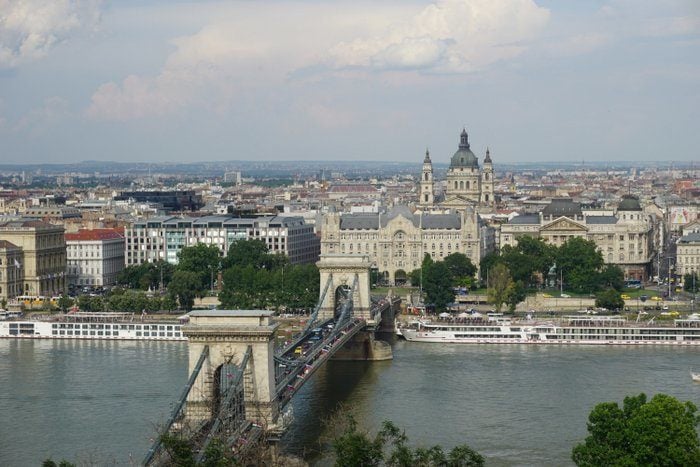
(162, 238)
(94, 257)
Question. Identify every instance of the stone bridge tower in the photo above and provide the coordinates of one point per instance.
(342, 269)
(228, 333)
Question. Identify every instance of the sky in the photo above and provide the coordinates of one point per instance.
(381, 80)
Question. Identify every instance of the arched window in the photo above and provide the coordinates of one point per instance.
(426, 176)
(456, 184)
(461, 185)
(486, 197)
(467, 184)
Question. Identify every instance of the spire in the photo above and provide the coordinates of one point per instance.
(487, 159)
(464, 139)
(427, 156)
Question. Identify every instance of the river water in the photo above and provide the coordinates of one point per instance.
(515, 404)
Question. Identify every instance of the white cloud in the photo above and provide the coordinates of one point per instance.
(239, 51)
(448, 36)
(30, 28)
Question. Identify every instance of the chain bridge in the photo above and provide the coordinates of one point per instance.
(241, 381)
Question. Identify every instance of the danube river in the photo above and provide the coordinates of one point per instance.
(515, 404)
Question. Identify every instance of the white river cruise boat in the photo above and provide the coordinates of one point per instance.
(83, 325)
(599, 330)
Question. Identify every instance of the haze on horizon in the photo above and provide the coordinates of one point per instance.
(159, 80)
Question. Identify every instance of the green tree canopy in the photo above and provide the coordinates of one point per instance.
(437, 285)
(515, 294)
(253, 253)
(612, 277)
(579, 263)
(659, 432)
(203, 261)
(691, 282)
(146, 275)
(353, 448)
(461, 268)
(610, 299)
(529, 261)
(499, 284)
(183, 287)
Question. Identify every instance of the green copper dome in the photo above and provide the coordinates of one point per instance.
(464, 157)
(629, 203)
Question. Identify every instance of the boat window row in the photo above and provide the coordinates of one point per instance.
(124, 327)
(488, 336)
(463, 329)
(628, 331)
(632, 338)
(93, 332)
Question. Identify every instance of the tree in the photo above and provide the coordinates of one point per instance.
(146, 276)
(499, 283)
(487, 263)
(416, 276)
(579, 261)
(609, 299)
(612, 277)
(354, 448)
(65, 302)
(691, 282)
(253, 253)
(183, 287)
(202, 260)
(659, 432)
(461, 268)
(514, 295)
(437, 285)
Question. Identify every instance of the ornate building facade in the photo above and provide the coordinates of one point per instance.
(396, 241)
(43, 250)
(625, 239)
(468, 184)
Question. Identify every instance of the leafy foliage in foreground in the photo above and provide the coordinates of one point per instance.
(658, 432)
(389, 447)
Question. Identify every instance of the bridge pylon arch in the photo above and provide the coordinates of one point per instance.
(341, 270)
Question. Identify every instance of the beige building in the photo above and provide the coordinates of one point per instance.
(688, 254)
(11, 271)
(625, 238)
(396, 241)
(43, 248)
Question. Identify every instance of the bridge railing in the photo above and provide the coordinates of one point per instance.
(178, 410)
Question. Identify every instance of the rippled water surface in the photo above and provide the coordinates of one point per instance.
(85, 400)
(518, 405)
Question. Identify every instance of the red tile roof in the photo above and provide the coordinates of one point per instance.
(94, 234)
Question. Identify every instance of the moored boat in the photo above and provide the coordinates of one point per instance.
(596, 330)
(82, 325)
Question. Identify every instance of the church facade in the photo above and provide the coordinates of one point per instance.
(468, 184)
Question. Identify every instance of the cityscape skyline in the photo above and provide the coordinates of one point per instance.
(606, 81)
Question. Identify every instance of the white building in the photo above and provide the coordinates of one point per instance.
(162, 238)
(94, 257)
(688, 254)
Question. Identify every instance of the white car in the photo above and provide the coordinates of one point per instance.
(565, 295)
